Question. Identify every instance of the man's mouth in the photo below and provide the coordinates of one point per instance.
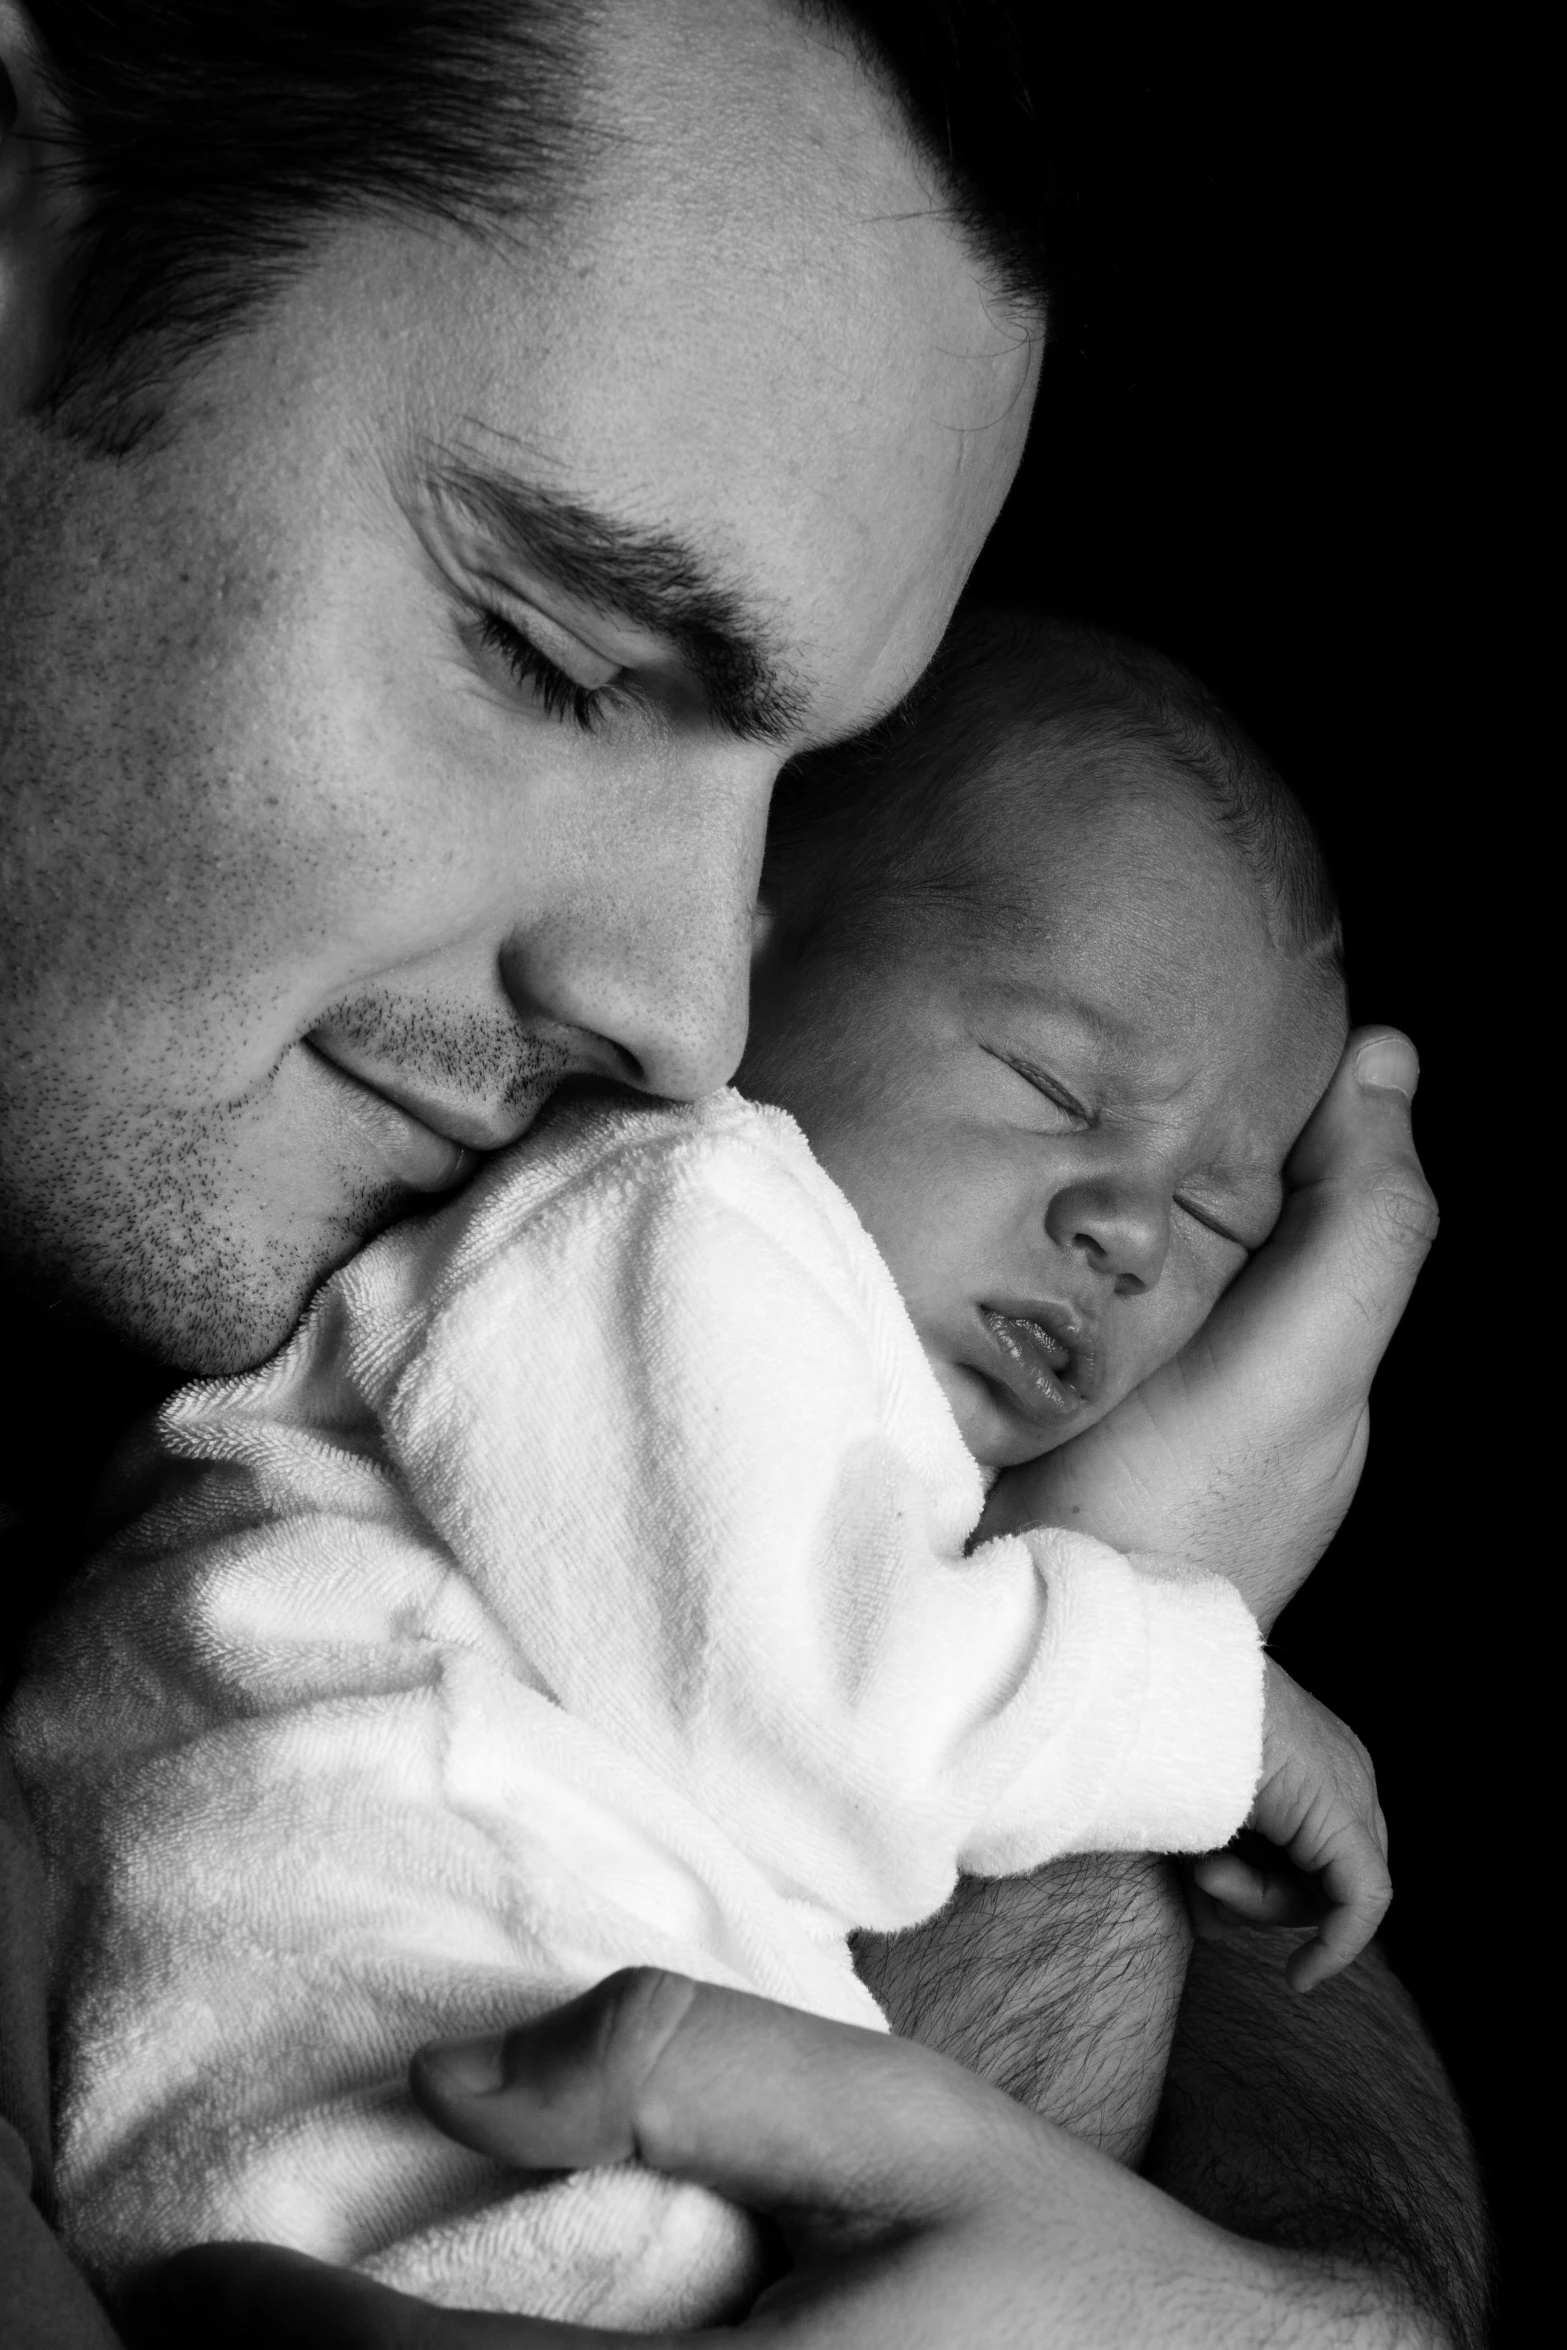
(1044, 1357)
(412, 1149)
(436, 1091)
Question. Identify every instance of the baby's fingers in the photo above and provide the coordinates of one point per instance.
(1265, 1892)
(1345, 1896)
(1358, 1886)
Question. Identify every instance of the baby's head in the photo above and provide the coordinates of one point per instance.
(1051, 980)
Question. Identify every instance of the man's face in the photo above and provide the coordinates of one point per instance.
(1064, 1136)
(396, 737)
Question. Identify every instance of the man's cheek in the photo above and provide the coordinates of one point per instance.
(275, 910)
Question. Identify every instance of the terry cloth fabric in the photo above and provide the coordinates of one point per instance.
(584, 1586)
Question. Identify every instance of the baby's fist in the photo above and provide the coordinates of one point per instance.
(1317, 1800)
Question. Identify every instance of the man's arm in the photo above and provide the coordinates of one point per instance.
(916, 2206)
(1324, 2124)
(1062, 1988)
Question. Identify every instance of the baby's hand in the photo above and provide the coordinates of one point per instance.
(1318, 1799)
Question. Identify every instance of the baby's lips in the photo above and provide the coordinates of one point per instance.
(1055, 1332)
(1030, 1362)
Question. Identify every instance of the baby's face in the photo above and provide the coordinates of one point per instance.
(1065, 1142)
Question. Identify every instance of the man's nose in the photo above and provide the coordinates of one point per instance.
(652, 956)
(1120, 1229)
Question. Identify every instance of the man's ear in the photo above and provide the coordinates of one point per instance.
(41, 207)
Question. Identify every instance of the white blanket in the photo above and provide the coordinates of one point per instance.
(583, 1586)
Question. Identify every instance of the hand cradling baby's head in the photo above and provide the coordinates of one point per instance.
(1051, 981)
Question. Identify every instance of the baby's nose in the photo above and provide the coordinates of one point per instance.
(1121, 1232)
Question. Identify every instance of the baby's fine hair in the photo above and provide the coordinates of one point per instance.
(874, 828)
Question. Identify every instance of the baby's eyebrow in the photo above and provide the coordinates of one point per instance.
(1107, 1034)
(654, 580)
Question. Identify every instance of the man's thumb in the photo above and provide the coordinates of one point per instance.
(1354, 1177)
(1323, 1298)
(776, 2109)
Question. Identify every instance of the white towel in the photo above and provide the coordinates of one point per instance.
(583, 1586)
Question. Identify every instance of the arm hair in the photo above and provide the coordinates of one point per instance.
(1323, 2126)
(1080, 2031)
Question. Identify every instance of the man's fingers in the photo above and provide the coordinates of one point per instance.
(1358, 1216)
(565, 2091)
(776, 2109)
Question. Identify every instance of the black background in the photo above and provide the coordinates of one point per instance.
(1264, 443)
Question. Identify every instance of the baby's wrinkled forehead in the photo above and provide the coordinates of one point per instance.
(1056, 790)
(1044, 801)
(1128, 764)
(1133, 940)
(1047, 837)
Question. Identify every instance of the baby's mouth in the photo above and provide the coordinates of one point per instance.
(1044, 1365)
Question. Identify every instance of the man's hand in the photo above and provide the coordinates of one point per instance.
(916, 2206)
(1241, 1456)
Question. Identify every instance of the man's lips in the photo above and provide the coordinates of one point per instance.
(412, 1149)
(1043, 1356)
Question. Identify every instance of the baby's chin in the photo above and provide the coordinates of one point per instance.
(997, 1433)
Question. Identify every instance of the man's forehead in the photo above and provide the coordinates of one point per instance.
(746, 120)
(758, 332)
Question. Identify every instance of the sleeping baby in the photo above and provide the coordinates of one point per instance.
(599, 1577)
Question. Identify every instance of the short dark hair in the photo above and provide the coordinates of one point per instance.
(212, 136)
(875, 824)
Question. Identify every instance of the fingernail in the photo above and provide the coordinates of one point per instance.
(466, 2068)
(1391, 1064)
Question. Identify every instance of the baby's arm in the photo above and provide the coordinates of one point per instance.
(1317, 1801)
(1317, 1795)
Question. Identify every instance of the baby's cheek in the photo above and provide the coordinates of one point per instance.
(1148, 1332)
(997, 1438)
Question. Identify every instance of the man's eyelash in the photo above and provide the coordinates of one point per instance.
(558, 694)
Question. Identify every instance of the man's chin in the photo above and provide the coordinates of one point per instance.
(216, 1328)
(208, 1302)
(196, 1335)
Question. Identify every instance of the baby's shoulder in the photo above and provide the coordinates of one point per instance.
(722, 1161)
(603, 1163)
(611, 1148)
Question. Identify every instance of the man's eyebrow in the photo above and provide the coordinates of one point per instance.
(624, 571)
